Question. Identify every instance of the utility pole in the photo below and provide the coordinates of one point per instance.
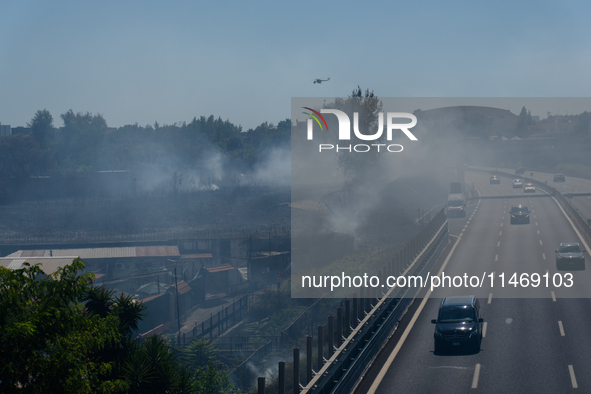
(178, 313)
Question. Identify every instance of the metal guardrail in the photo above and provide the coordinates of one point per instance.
(346, 366)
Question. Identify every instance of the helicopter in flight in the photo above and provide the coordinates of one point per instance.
(318, 80)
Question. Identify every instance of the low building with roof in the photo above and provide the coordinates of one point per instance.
(112, 262)
(48, 265)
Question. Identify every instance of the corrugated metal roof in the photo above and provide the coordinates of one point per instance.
(183, 287)
(197, 256)
(103, 253)
(152, 297)
(219, 268)
(157, 251)
(32, 253)
(49, 265)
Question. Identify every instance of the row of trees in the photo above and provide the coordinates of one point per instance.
(60, 334)
(85, 143)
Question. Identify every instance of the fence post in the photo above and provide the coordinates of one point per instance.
(320, 348)
(339, 326)
(296, 370)
(261, 389)
(330, 335)
(308, 359)
(281, 377)
(347, 317)
(361, 304)
(355, 311)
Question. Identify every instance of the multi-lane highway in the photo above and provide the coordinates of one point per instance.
(536, 339)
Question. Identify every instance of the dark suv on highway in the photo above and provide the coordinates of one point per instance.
(458, 324)
(569, 255)
(519, 214)
(558, 178)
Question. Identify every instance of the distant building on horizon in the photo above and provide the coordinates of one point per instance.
(5, 130)
(21, 130)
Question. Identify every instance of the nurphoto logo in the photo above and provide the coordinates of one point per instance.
(345, 130)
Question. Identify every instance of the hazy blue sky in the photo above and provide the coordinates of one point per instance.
(142, 61)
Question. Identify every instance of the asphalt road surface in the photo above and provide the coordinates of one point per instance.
(536, 339)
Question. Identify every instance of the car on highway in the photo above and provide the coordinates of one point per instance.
(529, 188)
(495, 180)
(570, 255)
(517, 183)
(559, 178)
(519, 214)
(458, 324)
(456, 205)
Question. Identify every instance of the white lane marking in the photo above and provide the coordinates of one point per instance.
(464, 229)
(490, 298)
(541, 242)
(538, 231)
(484, 329)
(501, 224)
(496, 257)
(392, 356)
(477, 374)
(449, 366)
(499, 243)
(573, 380)
(503, 218)
(561, 328)
(536, 223)
(544, 256)
(500, 232)
(553, 296)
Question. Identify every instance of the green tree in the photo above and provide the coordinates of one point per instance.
(201, 357)
(80, 141)
(47, 338)
(368, 106)
(20, 156)
(153, 368)
(523, 122)
(41, 127)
